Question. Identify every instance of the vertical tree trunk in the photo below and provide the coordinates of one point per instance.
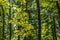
(54, 29)
(39, 20)
(9, 20)
(57, 4)
(28, 11)
(10, 23)
(3, 23)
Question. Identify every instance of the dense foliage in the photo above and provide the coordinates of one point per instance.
(19, 19)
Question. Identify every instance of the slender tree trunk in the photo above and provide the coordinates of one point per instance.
(39, 20)
(58, 7)
(54, 29)
(9, 20)
(10, 23)
(3, 23)
(28, 11)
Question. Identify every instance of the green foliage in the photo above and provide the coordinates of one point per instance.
(16, 15)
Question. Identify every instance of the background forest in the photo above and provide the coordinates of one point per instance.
(29, 19)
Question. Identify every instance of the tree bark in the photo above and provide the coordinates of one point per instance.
(54, 29)
(39, 20)
(3, 23)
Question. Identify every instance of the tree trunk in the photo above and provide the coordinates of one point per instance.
(54, 29)
(39, 20)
